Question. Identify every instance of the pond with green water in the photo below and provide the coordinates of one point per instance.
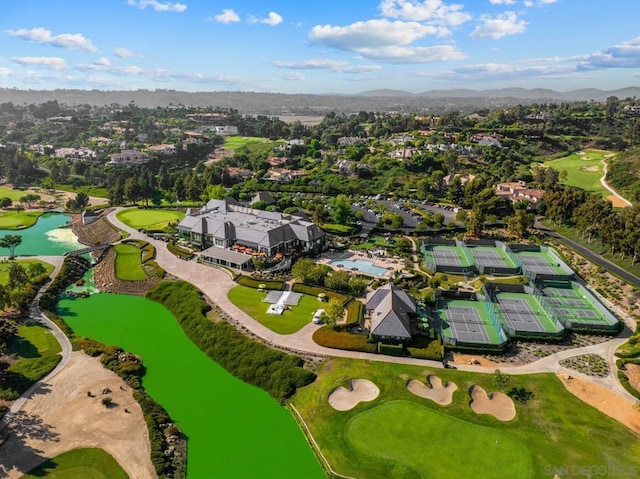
(46, 237)
(234, 430)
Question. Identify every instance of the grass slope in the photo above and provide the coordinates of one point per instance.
(250, 301)
(149, 219)
(129, 263)
(87, 463)
(235, 142)
(90, 190)
(400, 435)
(583, 171)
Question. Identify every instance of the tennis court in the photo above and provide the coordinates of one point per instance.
(541, 263)
(450, 256)
(469, 322)
(491, 257)
(570, 305)
(524, 314)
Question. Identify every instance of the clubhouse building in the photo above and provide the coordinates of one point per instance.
(231, 234)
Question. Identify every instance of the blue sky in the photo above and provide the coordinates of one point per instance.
(308, 46)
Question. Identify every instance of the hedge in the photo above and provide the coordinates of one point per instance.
(178, 251)
(255, 283)
(391, 349)
(427, 350)
(355, 311)
(326, 336)
(316, 290)
(278, 373)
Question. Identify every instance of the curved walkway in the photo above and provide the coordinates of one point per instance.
(603, 182)
(37, 315)
(215, 283)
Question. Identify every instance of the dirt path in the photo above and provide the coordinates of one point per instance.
(616, 199)
(61, 416)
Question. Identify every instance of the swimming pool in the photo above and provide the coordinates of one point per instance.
(360, 265)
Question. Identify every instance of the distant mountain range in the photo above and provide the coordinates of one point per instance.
(584, 94)
(280, 104)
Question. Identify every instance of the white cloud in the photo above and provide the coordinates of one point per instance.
(430, 11)
(5, 72)
(158, 6)
(538, 3)
(293, 76)
(272, 19)
(338, 66)
(103, 62)
(499, 26)
(370, 34)
(502, 2)
(227, 16)
(402, 54)
(123, 52)
(51, 63)
(68, 41)
(163, 75)
(501, 72)
(623, 55)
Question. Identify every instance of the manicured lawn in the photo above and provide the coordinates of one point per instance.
(25, 263)
(34, 341)
(149, 219)
(583, 171)
(37, 351)
(400, 435)
(128, 263)
(15, 220)
(15, 195)
(250, 301)
(88, 463)
(374, 242)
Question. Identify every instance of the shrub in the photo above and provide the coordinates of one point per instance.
(424, 348)
(391, 349)
(255, 283)
(327, 337)
(178, 251)
(355, 311)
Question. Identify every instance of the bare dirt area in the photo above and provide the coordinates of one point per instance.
(68, 413)
(617, 202)
(498, 404)
(475, 360)
(59, 197)
(633, 373)
(604, 401)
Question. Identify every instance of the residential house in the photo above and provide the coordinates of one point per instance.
(239, 173)
(518, 191)
(164, 149)
(128, 157)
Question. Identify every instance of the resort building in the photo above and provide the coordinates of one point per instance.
(388, 313)
(233, 233)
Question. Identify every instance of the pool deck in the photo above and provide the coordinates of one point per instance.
(390, 265)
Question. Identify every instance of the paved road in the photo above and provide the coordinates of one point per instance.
(591, 256)
(216, 282)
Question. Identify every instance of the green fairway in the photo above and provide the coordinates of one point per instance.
(15, 220)
(233, 430)
(583, 170)
(399, 435)
(235, 142)
(149, 219)
(97, 191)
(89, 463)
(13, 194)
(128, 263)
(250, 301)
(477, 448)
(25, 263)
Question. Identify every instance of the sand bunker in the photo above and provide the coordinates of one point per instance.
(498, 404)
(362, 390)
(438, 392)
(590, 168)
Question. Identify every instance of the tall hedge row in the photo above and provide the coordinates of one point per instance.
(276, 372)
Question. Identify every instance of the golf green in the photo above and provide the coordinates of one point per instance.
(233, 429)
(469, 449)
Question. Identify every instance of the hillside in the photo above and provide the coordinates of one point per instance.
(624, 174)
